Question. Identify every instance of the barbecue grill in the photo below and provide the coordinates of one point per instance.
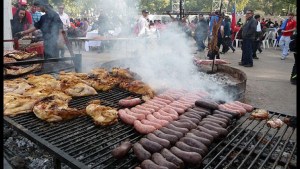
(80, 144)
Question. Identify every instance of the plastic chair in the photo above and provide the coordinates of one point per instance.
(265, 42)
(237, 40)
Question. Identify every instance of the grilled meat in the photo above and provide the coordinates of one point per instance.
(20, 70)
(260, 114)
(44, 80)
(18, 86)
(8, 59)
(100, 73)
(137, 87)
(76, 88)
(42, 92)
(102, 115)
(15, 104)
(19, 55)
(123, 73)
(275, 123)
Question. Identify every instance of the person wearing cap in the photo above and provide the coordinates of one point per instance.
(142, 24)
(51, 26)
(27, 14)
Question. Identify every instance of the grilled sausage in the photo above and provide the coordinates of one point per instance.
(209, 122)
(228, 113)
(164, 96)
(127, 102)
(209, 104)
(193, 115)
(145, 108)
(137, 167)
(170, 110)
(151, 106)
(150, 102)
(178, 105)
(179, 129)
(223, 107)
(143, 128)
(218, 118)
(230, 116)
(151, 123)
(202, 134)
(138, 116)
(185, 147)
(121, 150)
(140, 152)
(161, 161)
(126, 118)
(190, 158)
(194, 120)
(201, 109)
(150, 117)
(241, 109)
(162, 100)
(222, 117)
(165, 143)
(174, 117)
(173, 139)
(215, 121)
(140, 111)
(169, 156)
(194, 143)
(150, 146)
(162, 117)
(148, 164)
(177, 109)
(220, 130)
(202, 114)
(181, 124)
(248, 107)
(205, 141)
(189, 121)
(163, 104)
(172, 132)
(210, 132)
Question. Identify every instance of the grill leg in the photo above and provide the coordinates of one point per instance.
(56, 163)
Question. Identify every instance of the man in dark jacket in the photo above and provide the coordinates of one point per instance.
(201, 32)
(248, 36)
(51, 26)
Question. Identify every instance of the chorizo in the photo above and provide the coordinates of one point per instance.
(129, 102)
(222, 116)
(145, 108)
(174, 117)
(228, 113)
(193, 125)
(194, 120)
(172, 132)
(165, 143)
(179, 129)
(210, 132)
(170, 111)
(194, 143)
(177, 109)
(140, 111)
(185, 147)
(215, 121)
(203, 140)
(168, 155)
(122, 150)
(148, 164)
(138, 116)
(220, 130)
(150, 117)
(202, 114)
(218, 118)
(248, 107)
(202, 134)
(162, 117)
(161, 161)
(173, 139)
(181, 124)
(150, 146)
(143, 128)
(167, 97)
(162, 100)
(126, 118)
(140, 152)
(190, 158)
(151, 123)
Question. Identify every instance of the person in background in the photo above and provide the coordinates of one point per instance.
(201, 33)
(239, 22)
(287, 29)
(293, 48)
(77, 22)
(257, 40)
(66, 24)
(142, 24)
(84, 27)
(51, 26)
(263, 23)
(248, 35)
(19, 22)
(36, 15)
(276, 25)
(27, 13)
(227, 43)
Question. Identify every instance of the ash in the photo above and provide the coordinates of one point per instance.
(22, 153)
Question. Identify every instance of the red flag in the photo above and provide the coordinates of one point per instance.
(233, 21)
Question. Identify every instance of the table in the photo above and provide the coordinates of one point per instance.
(91, 35)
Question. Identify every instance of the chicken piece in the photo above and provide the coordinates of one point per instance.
(38, 92)
(138, 87)
(102, 115)
(8, 60)
(44, 80)
(275, 123)
(21, 55)
(76, 88)
(123, 73)
(20, 70)
(104, 84)
(15, 104)
(100, 73)
(18, 85)
(52, 109)
(259, 114)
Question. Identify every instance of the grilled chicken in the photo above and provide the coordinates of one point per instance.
(76, 88)
(20, 70)
(102, 115)
(15, 104)
(275, 123)
(137, 87)
(44, 80)
(260, 114)
(8, 60)
(52, 109)
(18, 86)
(100, 73)
(123, 73)
(104, 84)
(20, 55)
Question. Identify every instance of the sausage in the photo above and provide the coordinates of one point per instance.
(174, 117)
(162, 117)
(164, 96)
(215, 121)
(185, 147)
(170, 110)
(121, 150)
(209, 122)
(148, 164)
(227, 109)
(151, 106)
(194, 120)
(162, 100)
(233, 114)
(222, 117)
(193, 125)
(179, 129)
(202, 134)
(178, 105)
(128, 102)
(138, 116)
(172, 132)
(137, 167)
(202, 114)
(190, 158)
(208, 104)
(193, 115)
(150, 102)
(161, 161)
(194, 143)
(165, 143)
(126, 118)
(177, 109)
(221, 130)
(173, 139)
(230, 116)
(150, 146)
(210, 132)
(241, 109)
(140, 152)
(150, 117)
(151, 123)
(205, 141)
(140, 111)
(218, 118)
(248, 107)
(168, 155)
(183, 124)
(163, 104)
(143, 128)
(145, 108)
(201, 109)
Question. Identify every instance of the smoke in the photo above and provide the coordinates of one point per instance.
(164, 62)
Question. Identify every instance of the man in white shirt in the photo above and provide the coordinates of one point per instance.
(257, 40)
(66, 24)
(143, 24)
